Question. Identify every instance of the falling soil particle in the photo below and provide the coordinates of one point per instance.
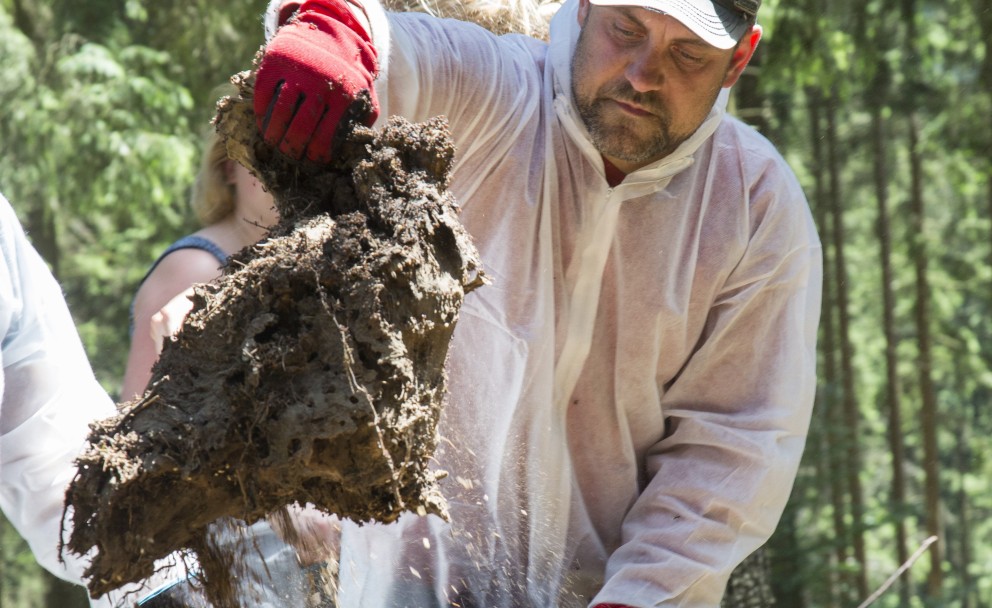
(312, 371)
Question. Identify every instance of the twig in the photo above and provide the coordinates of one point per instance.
(892, 579)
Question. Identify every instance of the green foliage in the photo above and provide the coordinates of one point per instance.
(103, 156)
(104, 103)
(861, 65)
(21, 580)
(103, 115)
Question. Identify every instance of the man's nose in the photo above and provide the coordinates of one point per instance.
(645, 71)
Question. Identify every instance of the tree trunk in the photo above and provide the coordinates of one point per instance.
(897, 500)
(850, 406)
(963, 457)
(831, 457)
(928, 396)
(41, 230)
(983, 15)
(25, 23)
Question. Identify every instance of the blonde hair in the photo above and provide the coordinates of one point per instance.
(213, 196)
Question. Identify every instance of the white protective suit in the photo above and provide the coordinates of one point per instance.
(49, 398)
(629, 399)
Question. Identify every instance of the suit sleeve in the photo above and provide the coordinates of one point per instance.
(49, 398)
(736, 424)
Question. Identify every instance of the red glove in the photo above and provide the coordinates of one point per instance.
(611, 606)
(313, 69)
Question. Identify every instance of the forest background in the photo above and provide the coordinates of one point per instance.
(883, 108)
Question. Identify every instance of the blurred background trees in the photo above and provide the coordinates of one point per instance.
(103, 104)
(884, 109)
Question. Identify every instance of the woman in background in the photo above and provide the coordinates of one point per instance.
(235, 212)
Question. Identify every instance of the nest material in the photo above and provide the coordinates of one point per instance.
(529, 17)
(312, 371)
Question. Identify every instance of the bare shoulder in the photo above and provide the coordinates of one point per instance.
(174, 274)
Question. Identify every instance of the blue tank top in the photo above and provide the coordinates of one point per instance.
(187, 242)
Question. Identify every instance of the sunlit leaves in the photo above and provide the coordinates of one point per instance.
(860, 65)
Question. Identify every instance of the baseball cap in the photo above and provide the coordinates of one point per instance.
(721, 23)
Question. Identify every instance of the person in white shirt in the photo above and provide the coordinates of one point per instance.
(49, 397)
(629, 399)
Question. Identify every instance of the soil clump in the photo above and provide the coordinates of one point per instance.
(312, 371)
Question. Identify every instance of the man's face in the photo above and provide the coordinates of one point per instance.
(643, 82)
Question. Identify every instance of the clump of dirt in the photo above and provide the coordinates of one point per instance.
(312, 371)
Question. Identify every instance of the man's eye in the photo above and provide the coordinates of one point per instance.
(687, 57)
(624, 33)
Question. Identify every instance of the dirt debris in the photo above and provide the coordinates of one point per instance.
(312, 371)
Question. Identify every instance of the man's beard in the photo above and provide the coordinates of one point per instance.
(629, 139)
(615, 134)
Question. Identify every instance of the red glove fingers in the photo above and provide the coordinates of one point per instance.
(312, 70)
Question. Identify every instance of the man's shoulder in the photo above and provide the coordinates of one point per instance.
(745, 137)
(754, 153)
(460, 32)
(773, 187)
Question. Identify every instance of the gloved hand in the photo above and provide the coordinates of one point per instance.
(312, 70)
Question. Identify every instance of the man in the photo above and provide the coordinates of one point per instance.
(629, 400)
(49, 398)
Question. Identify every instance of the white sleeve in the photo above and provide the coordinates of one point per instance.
(736, 423)
(49, 398)
(271, 19)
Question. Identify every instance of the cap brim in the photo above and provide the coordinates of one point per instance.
(713, 23)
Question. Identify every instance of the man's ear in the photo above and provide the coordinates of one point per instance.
(742, 55)
(583, 11)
